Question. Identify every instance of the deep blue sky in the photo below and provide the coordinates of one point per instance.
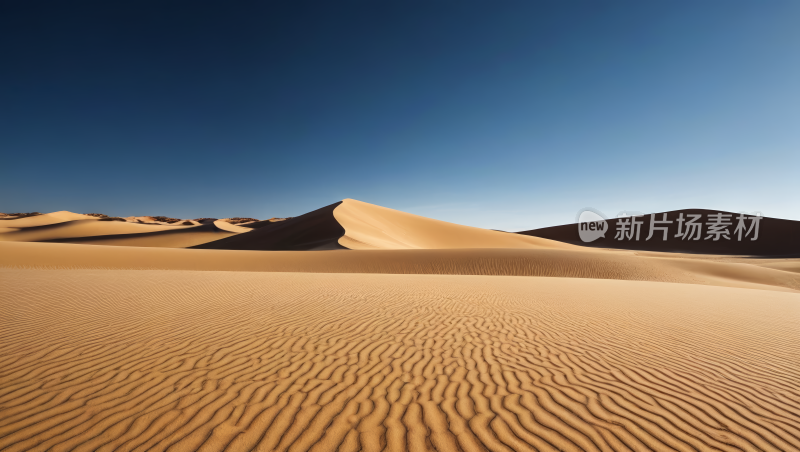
(508, 115)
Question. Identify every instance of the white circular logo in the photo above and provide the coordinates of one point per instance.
(591, 225)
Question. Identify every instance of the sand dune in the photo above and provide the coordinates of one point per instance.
(368, 226)
(44, 219)
(67, 227)
(164, 237)
(79, 228)
(352, 224)
(358, 225)
(97, 360)
(317, 230)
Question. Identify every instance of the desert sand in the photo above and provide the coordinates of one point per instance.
(391, 332)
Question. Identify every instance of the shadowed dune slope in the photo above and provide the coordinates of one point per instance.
(94, 360)
(511, 262)
(317, 230)
(776, 237)
(167, 237)
(368, 226)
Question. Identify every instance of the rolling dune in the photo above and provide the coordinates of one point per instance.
(79, 228)
(166, 237)
(186, 361)
(45, 219)
(66, 227)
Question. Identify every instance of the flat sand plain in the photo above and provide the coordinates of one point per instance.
(412, 342)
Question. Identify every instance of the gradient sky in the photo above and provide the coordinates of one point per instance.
(508, 115)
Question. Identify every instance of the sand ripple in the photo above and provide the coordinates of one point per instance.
(181, 360)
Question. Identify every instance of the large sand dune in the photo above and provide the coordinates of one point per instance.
(368, 226)
(185, 361)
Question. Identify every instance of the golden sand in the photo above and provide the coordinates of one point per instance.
(182, 360)
(430, 336)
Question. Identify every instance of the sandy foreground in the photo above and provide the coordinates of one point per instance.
(212, 360)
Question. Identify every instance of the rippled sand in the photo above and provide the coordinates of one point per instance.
(236, 360)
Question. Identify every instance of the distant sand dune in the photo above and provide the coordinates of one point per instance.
(44, 219)
(162, 237)
(66, 227)
(79, 228)
(97, 360)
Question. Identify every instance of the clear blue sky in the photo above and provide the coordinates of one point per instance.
(508, 115)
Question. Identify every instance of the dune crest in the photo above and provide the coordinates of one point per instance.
(369, 227)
